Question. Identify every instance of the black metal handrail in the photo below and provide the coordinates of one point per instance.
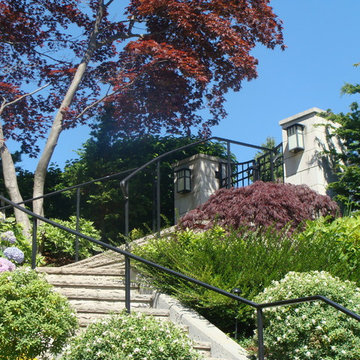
(77, 187)
(128, 255)
(52, 193)
(124, 183)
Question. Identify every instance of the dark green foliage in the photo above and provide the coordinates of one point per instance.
(106, 154)
(346, 163)
(261, 204)
(34, 319)
(58, 246)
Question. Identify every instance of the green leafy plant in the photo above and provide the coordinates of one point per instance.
(131, 336)
(311, 330)
(246, 259)
(57, 244)
(337, 244)
(34, 319)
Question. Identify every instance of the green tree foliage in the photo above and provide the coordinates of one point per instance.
(346, 127)
(104, 154)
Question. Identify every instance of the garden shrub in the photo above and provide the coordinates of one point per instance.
(244, 259)
(342, 237)
(131, 336)
(34, 319)
(260, 204)
(311, 330)
(59, 245)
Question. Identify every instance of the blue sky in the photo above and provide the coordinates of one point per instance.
(322, 38)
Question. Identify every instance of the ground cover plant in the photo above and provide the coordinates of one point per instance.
(261, 204)
(311, 330)
(34, 319)
(131, 336)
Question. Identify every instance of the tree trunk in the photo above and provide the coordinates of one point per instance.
(41, 169)
(11, 185)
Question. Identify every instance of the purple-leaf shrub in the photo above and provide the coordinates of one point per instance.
(14, 253)
(6, 265)
(260, 204)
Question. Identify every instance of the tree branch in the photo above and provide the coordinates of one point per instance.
(102, 99)
(51, 58)
(3, 106)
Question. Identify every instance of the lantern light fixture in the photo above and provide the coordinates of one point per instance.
(295, 135)
(183, 180)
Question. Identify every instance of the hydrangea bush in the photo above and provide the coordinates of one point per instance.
(10, 255)
(34, 320)
(131, 336)
(312, 330)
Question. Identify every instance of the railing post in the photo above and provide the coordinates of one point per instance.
(272, 169)
(127, 284)
(126, 209)
(228, 166)
(77, 224)
(34, 244)
(260, 329)
(158, 197)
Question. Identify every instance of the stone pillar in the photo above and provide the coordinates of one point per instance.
(204, 182)
(308, 165)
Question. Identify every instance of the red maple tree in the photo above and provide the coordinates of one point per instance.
(157, 62)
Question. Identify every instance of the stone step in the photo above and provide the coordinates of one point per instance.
(87, 318)
(89, 281)
(203, 348)
(102, 306)
(107, 294)
(112, 271)
(103, 259)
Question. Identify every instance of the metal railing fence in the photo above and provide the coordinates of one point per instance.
(124, 184)
(129, 256)
(77, 199)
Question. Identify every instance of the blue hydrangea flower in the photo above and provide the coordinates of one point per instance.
(13, 253)
(6, 265)
(8, 236)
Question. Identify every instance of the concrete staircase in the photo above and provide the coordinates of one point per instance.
(95, 287)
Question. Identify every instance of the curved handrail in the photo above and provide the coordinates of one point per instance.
(158, 158)
(128, 255)
(52, 193)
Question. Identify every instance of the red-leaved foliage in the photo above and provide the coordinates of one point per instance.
(155, 62)
(261, 204)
